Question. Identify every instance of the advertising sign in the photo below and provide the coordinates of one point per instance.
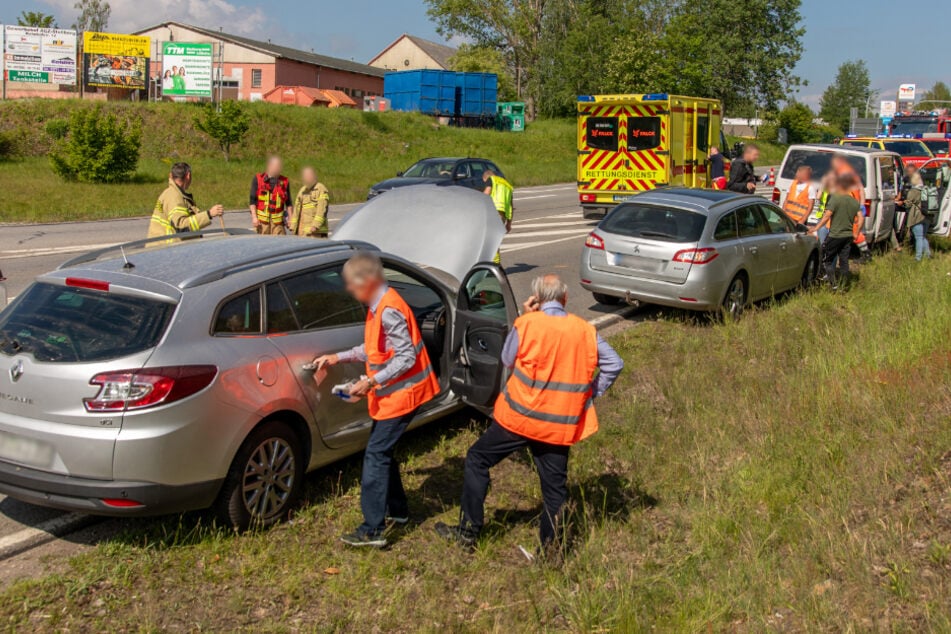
(186, 69)
(43, 56)
(112, 60)
(906, 92)
(888, 109)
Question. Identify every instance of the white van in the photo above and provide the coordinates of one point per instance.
(881, 172)
(936, 176)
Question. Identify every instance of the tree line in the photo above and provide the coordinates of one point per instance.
(742, 52)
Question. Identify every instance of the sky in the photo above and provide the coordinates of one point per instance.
(836, 31)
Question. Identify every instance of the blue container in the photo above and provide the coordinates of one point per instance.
(442, 93)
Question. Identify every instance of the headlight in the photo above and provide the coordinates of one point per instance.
(372, 194)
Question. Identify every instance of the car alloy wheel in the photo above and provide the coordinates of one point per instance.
(735, 300)
(269, 478)
(811, 273)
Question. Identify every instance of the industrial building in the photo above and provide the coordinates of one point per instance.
(252, 68)
(409, 52)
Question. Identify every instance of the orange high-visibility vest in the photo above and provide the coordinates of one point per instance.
(798, 206)
(272, 201)
(549, 395)
(415, 387)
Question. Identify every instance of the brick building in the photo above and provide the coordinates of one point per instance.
(252, 68)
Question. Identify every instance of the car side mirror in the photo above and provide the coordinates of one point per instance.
(801, 228)
(399, 174)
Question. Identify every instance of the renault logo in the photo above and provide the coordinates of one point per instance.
(16, 371)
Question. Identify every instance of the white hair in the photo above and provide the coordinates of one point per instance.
(549, 288)
(364, 266)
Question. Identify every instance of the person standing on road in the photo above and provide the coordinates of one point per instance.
(502, 193)
(917, 218)
(801, 197)
(559, 366)
(743, 171)
(176, 211)
(310, 207)
(399, 380)
(717, 169)
(841, 211)
(270, 199)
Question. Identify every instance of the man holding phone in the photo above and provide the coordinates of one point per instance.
(399, 380)
(559, 366)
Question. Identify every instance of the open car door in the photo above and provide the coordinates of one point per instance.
(485, 312)
(936, 176)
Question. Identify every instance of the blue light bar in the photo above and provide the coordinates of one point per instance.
(586, 98)
(657, 96)
(851, 136)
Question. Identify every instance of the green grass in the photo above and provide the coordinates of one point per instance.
(351, 150)
(789, 472)
(770, 153)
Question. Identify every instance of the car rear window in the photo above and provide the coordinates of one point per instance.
(667, 224)
(820, 162)
(72, 325)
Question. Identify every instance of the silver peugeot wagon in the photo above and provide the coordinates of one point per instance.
(151, 379)
(697, 250)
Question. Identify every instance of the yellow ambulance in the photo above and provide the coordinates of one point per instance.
(633, 143)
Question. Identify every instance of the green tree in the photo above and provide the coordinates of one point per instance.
(480, 59)
(36, 18)
(939, 96)
(512, 27)
(93, 15)
(97, 147)
(742, 52)
(850, 89)
(226, 124)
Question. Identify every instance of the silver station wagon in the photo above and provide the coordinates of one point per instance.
(697, 250)
(162, 378)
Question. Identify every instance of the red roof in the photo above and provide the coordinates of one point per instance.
(307, 96)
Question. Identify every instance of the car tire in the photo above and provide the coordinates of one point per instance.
(810, 273)
(737, 294)
(265, 479)
(607, 300)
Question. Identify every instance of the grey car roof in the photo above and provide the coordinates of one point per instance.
(196, 262)
(845, 149)
(698, 200)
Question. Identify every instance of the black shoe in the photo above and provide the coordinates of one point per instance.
(455, 534)
(358, 539)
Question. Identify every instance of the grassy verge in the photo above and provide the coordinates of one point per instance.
(770, 153)
(351, 150)
(790, 472)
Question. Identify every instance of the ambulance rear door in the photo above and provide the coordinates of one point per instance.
(645, 142)
(706, 133)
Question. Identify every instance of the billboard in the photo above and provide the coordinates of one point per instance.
(906, 92)
(186, 69)
(40, 56)
(112, 60)
(888, 109)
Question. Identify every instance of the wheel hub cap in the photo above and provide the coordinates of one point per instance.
(269, 478)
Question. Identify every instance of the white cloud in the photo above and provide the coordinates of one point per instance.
(134, 15)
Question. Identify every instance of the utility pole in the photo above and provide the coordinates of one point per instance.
(3, 66)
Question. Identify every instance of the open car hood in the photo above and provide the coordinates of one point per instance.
(447, 228)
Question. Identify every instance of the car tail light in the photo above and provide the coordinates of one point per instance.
(94, 285)
(594, 241)
(589, 198)
(121, 503)
(776, 195)
(139, 389)
(696, 256)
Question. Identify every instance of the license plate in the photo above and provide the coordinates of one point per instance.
(620, 198)
(25, 450)
(614, 259)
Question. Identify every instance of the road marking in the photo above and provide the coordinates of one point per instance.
(534, 245)
(543, 225)
(33, 253)
(41, 533)
(520, 198)
(540, 234)
(569, 215)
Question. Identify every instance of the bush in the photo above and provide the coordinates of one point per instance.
(226, 124)
(6, 147)
(97, 148)
(57, 129)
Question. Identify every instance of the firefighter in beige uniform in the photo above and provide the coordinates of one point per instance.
(176, 211)
(310, 208)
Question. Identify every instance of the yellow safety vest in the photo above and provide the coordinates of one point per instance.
(502, 196)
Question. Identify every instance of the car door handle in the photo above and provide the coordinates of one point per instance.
(754, 250)
(482, 344)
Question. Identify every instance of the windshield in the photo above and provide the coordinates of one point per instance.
(431, 169)
(908, 148)
(666, 224)
(74, 325)
(821, 163)
(901, 128)
(939, 146)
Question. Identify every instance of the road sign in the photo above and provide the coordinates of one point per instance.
(906, 92)
(28, 76)
(888, 109)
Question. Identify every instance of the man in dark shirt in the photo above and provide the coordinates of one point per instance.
(743, 173)
(841, 210)
(717, 169)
